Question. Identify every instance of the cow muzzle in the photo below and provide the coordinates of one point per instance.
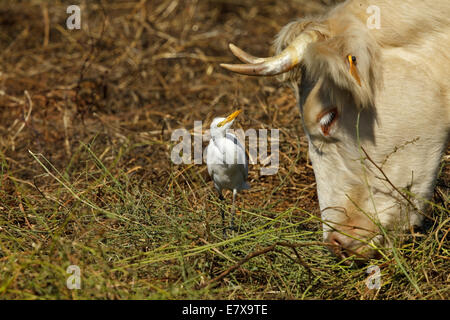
(350, 246)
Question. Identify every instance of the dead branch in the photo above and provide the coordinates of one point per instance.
(264, 251)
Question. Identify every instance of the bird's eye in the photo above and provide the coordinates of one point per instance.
(354, 59)
(326, 120)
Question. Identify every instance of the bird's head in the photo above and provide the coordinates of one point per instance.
(219, 126)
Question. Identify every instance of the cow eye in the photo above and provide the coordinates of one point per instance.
(326, 120)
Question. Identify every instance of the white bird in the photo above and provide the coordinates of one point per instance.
(226, 160)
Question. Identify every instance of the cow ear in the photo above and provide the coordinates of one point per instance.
(329, 59)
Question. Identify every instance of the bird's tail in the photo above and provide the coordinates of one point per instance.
(246, 186)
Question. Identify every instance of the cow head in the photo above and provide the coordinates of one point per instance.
(376, 123)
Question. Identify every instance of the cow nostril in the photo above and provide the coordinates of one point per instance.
(336, 244)
(334, 240)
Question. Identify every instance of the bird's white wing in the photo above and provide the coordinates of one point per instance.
(240, 154)
(211, 155)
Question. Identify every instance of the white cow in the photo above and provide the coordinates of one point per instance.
(375, 104)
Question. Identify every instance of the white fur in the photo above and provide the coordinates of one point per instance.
(404, 106)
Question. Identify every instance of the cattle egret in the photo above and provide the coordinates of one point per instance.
(226, 161)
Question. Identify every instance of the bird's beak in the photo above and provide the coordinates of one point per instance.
(353, 70)
(229, 118)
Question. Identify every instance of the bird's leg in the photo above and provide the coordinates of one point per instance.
(233, 210)
(222, 212)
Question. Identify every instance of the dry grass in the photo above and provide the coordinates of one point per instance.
(96, 108)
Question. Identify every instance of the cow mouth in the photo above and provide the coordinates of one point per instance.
(359, 255)
(354, 251)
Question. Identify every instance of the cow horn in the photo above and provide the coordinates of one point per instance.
(281, 63)
(244, 56)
